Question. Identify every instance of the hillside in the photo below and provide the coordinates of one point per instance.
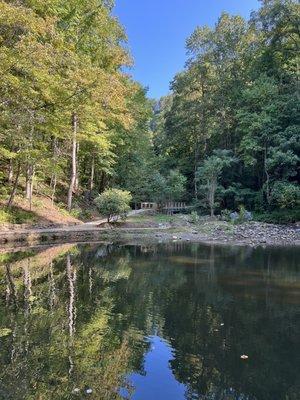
(43, 214)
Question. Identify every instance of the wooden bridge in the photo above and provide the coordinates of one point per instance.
(168, 207)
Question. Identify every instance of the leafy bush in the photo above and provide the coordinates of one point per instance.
(225, 215)
(279, 217)
(194, 217)
(113, 203)
(285, 195)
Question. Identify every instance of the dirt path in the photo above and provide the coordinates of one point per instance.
(87, 226)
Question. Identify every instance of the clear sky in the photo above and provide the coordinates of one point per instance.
(157, 30)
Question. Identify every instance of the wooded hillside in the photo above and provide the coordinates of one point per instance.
(231, 123)
(73, 123)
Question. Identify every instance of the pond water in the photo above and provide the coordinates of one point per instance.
(164, 322)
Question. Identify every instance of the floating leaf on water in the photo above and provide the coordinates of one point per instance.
(244, 357)
(5, 332)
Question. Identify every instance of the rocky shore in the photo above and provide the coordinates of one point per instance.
(251, 233)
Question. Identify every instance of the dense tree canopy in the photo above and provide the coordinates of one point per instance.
(71, 120)
(239, 92)
(72, 123)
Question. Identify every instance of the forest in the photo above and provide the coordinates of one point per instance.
(74, 123)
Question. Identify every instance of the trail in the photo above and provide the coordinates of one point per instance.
(85, 227)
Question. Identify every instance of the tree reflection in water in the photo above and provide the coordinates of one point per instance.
(75, 318)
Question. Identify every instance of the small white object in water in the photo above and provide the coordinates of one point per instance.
(222, 324)
(175, 237)
(89, 391)
(76, 390)
(244, 357)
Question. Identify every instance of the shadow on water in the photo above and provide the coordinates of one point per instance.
(165, 322)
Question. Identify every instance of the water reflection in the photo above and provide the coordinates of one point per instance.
(161, 322)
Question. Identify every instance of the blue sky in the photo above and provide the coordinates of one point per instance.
(157, 30)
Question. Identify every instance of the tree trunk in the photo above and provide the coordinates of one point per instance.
(14, 189)
(10, 172)
(76, 186)
(54, 183)
(74, 162)
(92, 178)
(29, 184)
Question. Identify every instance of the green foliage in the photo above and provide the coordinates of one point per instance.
(113, 203)
(16, 215)
(194, 217)
(69, 57)
(175, 186)
(285, 195)
(239, 93)
(286, 216)
(208, 175)
(5, 332)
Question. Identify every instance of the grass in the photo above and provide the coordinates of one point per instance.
(15, 215)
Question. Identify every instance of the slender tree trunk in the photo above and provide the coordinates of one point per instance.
(29, 184)
(54, 183)
(14, 189)
(92, 178)
(74, 161)
(10, 172)
(76, 185)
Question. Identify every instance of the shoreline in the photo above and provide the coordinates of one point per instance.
(249, 234)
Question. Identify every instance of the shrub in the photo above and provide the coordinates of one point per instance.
(194, 217)
(285, 195)
(113, 203)
(225, 215)
(279, 217)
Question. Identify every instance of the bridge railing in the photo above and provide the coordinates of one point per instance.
(166, 206)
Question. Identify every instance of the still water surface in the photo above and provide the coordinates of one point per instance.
(168, 322)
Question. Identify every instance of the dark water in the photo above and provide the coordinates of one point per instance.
(150, 323)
